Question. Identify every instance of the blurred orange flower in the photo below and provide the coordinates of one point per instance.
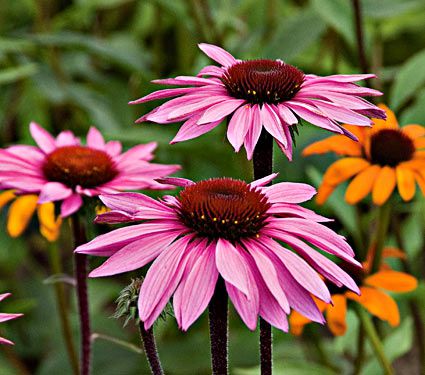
(373, 298)
(23, 208)
(385, 156)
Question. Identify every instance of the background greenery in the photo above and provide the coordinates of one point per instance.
(71, 64)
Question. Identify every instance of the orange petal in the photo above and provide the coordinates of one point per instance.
(384, 185)
(414, 130)
(417, 164)
(6, 197)
(336, 315)
(20, 213)
(405, 183)
(421, 182)
(362, 184)
(339, 144)
(392, 280)
(390, 122)
(324, 192)
(49, 225)
(419, 143)
(393, 252)
(343, 169)
(377, 303)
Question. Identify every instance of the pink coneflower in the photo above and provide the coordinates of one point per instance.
(62, 169)
(5, 317)
(257, 94)
(224, 228)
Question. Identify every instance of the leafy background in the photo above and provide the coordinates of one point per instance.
(71, 64)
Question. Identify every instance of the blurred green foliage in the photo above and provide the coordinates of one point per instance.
(71, 64)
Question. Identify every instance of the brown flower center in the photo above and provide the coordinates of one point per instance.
(78, 165)
(391, 147)
(223, 208)
(263, 81)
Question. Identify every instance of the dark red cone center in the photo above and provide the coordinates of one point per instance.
(78, 165)
(223, 208)
(263, 81)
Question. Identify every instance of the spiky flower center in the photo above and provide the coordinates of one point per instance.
(78, 165)
(391, 147)
(223, 208)
(263, 81)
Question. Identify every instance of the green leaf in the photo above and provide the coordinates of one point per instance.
(10, 75)
(339, 15)
(415, 114)
(380, 9)
(295, 35)
(408, 80)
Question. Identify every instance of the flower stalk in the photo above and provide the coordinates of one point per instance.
(218, 317)
(263, 166)
(82, 295)
(148, 340)
(384, 213)
(62, 305)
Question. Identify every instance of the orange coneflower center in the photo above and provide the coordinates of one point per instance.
(391, 147)
(78, 165)
(263, 81)
(223, 208)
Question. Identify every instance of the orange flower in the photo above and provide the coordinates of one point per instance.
(23, 208)
(373, 298)
(384, 156)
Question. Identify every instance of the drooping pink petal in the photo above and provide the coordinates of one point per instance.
(254, 131)
(286, 114)
(71, 204)
(136, 254)
(238, 126)
(186, 80)
(217, 54)
(190, 129)
(271, 122)
(162, 94)
(220, 110)
(54, 191)
(232, 266)
(6, 317)
(42, 137)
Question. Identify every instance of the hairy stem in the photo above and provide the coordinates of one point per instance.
(263, 166)
(80, 261)
(218, 316)
(358, 23)
(62, 305)
(384, 212)
(148, 340)
(373, 337)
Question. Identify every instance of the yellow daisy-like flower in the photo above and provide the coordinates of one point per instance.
(23, 208)
(374, 298)
(385, 156)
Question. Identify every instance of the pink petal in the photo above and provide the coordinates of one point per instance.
(232, 266)
(66, 138)
(254, 131)
(176, 181)
(286, 115)
(271, 122)
(186, 80)
(136, 254)
(71, 205)
(238, 126)
(6, 317)
(289, 209)
(342, 77)
(211, 70)
(190, 129)
(342, 114)
(217, 54)
(220, 110)
(139, 152)
(289, 192)
(161, 279)
(162, 94)
(264, 181)
(42, 137)
(113, 148)
(4, 296)
(54, 191)
(95, 139)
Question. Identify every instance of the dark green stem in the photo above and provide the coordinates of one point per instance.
(384, 212)
(358, 23)
(360, 350)
(148, 340)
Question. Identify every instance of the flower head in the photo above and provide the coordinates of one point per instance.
(5, 317)
(23, 208)
(384, 157)
(374, 298)
(62, 169)
(224, 228)
(257, 94)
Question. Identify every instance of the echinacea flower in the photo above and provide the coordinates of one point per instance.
(4, 317)
(230, 229)
(62, 169)
(385, 156)
(23, 208)
(257, 94)
(373, 298)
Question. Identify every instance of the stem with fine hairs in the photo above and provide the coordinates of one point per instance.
(358, 22)
(148, 340)
(80, 261)
(263, 166)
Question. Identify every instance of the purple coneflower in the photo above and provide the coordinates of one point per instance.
(5, 317)
(257, 94)
(62, 169)
(230, 229)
